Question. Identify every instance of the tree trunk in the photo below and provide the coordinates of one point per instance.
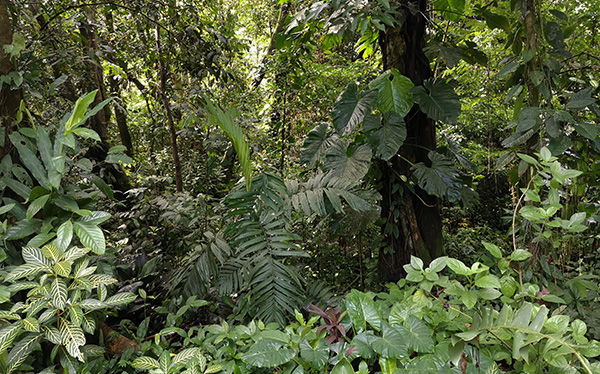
(167, 105)
(9, 99)
(115, 88)
(413, 222)
(114, 176)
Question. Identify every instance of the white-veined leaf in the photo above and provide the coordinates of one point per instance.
(21, 351)
(62, 268)
(33, 255)
(58, 292)
(145, 363)
(92, 304)
(25, 270)
(8, 334)
(91, 236)
(120, 299)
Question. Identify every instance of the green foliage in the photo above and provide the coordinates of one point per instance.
(63, 289)
(441, 318)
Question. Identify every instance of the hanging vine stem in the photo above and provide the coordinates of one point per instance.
(514, 217)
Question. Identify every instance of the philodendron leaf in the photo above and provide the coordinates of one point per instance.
(441, 179)
(266, 353)
(315, 144)
(351, 108)
(343, 367)
(387, 140)
(394, 92)
(393, 344)
(419, 335)
(91, 236)
(437, 99)
(351, 167)
(362, 310)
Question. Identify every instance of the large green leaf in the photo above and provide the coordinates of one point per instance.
(81, 106)
(351, 108)
(235, 133)
(266, 353)
(64, 235)
(36, 205)
(343, 367)
(437, 99)
(30, 160)
(317, 355)
(581, 99)
(315, 144)
(420, 339)
(387, 139)
(91, 236)
(350, 164)
(362, 310)
(392, 344)
(441, 179)
(394, 92)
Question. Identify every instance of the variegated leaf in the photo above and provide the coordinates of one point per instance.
(145, 363)
(17, 307)
(30, 324)
(75, 253)
(102, 291)
(92, 304)
(184, 356)
(33, 255)
(91, 236)
(76, 296)
(16, 287)
(104, 279)
(47, 315)
(9, 316)
(120, 299)
(62, 268)
(88, 271)
(164, 361)
(76, 315)
(59, 294)
(73, 349)
(7, 335)
(80, 265)
(25, 270)
(53, 335)
(69, 332)
(36, 306)
(82, 283)
(89, 324)
(21, 351)
(51, 252)
(213, 368)
(90, 350)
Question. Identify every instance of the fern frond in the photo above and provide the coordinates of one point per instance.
(323, 193)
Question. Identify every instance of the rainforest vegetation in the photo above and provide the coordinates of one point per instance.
(299, 186)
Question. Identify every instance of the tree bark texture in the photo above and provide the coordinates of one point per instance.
(10, 99)
(413, 222)
(165, 101)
